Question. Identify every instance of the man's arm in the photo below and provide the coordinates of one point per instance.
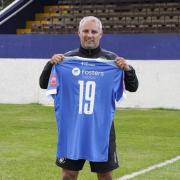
(130, 78)
(44, 77)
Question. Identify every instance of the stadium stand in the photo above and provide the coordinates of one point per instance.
(117, 16)
(15, 15)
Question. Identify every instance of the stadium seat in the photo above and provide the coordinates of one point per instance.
(117, 16)
(23, 31)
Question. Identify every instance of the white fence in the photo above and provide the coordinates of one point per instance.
(159, 83)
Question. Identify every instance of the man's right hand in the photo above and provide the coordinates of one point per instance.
(56, 58)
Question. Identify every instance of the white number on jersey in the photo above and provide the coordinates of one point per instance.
(89, 96)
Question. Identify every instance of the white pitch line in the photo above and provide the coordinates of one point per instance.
(150, 168)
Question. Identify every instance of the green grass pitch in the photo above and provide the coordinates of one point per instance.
(144, 137)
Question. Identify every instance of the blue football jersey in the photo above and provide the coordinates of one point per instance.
(85, 92)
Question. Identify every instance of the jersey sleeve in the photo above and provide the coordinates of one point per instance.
(53, 82)
(119, 89)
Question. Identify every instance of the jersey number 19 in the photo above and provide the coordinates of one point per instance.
(86, 95)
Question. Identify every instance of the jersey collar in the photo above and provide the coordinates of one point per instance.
(89, 52)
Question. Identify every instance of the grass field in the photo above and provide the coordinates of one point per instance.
(144, 137)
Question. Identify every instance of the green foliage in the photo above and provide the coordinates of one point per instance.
(28, 139)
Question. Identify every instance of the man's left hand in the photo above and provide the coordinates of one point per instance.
(121, 63)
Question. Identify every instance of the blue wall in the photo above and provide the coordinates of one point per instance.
(130, 46)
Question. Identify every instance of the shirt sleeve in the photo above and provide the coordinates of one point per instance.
(44, 77)
(53, 82)
(131, 80)
(119, 88)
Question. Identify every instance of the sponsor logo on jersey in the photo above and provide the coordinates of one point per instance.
(92, 73)
(76, 71)
(53, 81)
